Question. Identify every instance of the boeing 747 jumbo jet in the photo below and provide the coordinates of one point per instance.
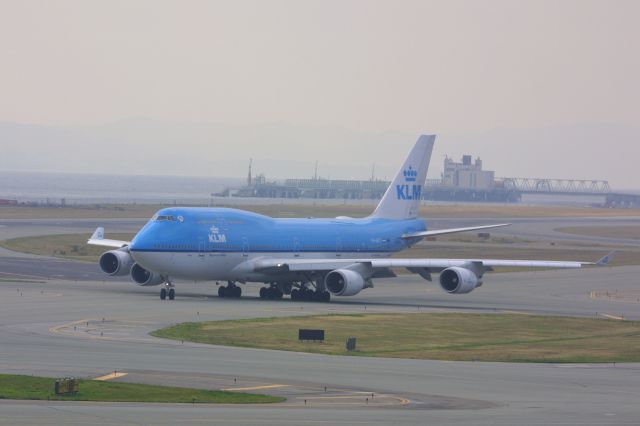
(308, 259)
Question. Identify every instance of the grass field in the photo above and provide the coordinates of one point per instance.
(28, 387)
(67, 246)
(628, 232)
(281, 209)
(460, 337)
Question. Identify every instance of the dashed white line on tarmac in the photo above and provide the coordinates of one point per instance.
(613, 317)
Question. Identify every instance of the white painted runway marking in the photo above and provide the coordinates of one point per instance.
(613, 317)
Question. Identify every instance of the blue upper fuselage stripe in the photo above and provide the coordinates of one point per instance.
(222, 230)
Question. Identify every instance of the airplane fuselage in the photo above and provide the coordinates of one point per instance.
(214, 243)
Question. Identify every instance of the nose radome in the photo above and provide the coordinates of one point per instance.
(138, 242)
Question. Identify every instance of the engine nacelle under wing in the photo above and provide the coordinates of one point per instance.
(344, 282)
(116, 262)
(145, 278)
(457, 280)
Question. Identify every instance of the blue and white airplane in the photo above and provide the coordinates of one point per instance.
(308, 259)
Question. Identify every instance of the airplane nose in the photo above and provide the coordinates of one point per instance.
(140, 241)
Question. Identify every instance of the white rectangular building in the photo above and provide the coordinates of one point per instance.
(467, 174)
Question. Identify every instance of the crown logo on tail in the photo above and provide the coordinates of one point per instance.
(410, 174)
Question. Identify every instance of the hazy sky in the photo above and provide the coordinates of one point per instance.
(397, 67)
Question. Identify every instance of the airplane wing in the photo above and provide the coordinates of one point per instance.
(97, 239)
(433, 233)
(415, 265)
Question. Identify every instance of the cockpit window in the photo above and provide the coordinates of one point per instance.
(163, 218)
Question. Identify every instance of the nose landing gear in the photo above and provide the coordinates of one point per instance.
(167, 291)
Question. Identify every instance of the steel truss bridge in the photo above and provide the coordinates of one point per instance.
(556, 186)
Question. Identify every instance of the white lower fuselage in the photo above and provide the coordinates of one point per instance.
(229, 266)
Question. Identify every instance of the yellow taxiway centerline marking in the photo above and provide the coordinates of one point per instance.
(110, 376)
(613, 317)
(42, 277)
(255, 388)
(57, 328)
(403, 401)
(334, 397)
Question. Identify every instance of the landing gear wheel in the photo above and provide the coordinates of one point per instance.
(163, 293)
(276, 293)
(172, 294)
(237, 292)
(307, 295)
(271, 293)
(222, 292)
(295, 294)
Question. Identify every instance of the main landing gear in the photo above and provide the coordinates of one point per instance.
(272, 293)
(230, 290)
(304, 291)
(167, 291)
(307, 295)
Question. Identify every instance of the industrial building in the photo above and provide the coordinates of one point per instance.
(460, 181)
(466, 174)
(464, 181)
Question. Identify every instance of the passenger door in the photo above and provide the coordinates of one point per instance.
(296, 247)
(245, 247)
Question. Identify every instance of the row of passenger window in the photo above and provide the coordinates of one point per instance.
(175, 246)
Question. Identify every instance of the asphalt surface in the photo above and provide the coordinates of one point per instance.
(62, 318)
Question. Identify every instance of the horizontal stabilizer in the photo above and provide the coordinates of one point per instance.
(436, 232)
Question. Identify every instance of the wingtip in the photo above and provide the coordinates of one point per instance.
(98, 234)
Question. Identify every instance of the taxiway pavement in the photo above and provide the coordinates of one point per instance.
(70, 323)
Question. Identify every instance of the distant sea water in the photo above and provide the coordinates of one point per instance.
(75, 188)
(94, 188)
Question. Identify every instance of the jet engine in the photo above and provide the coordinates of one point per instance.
(116, 262)
(456, 280)
(344, 282)
(145, 278)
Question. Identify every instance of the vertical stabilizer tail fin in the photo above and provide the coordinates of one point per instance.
(402, 198)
